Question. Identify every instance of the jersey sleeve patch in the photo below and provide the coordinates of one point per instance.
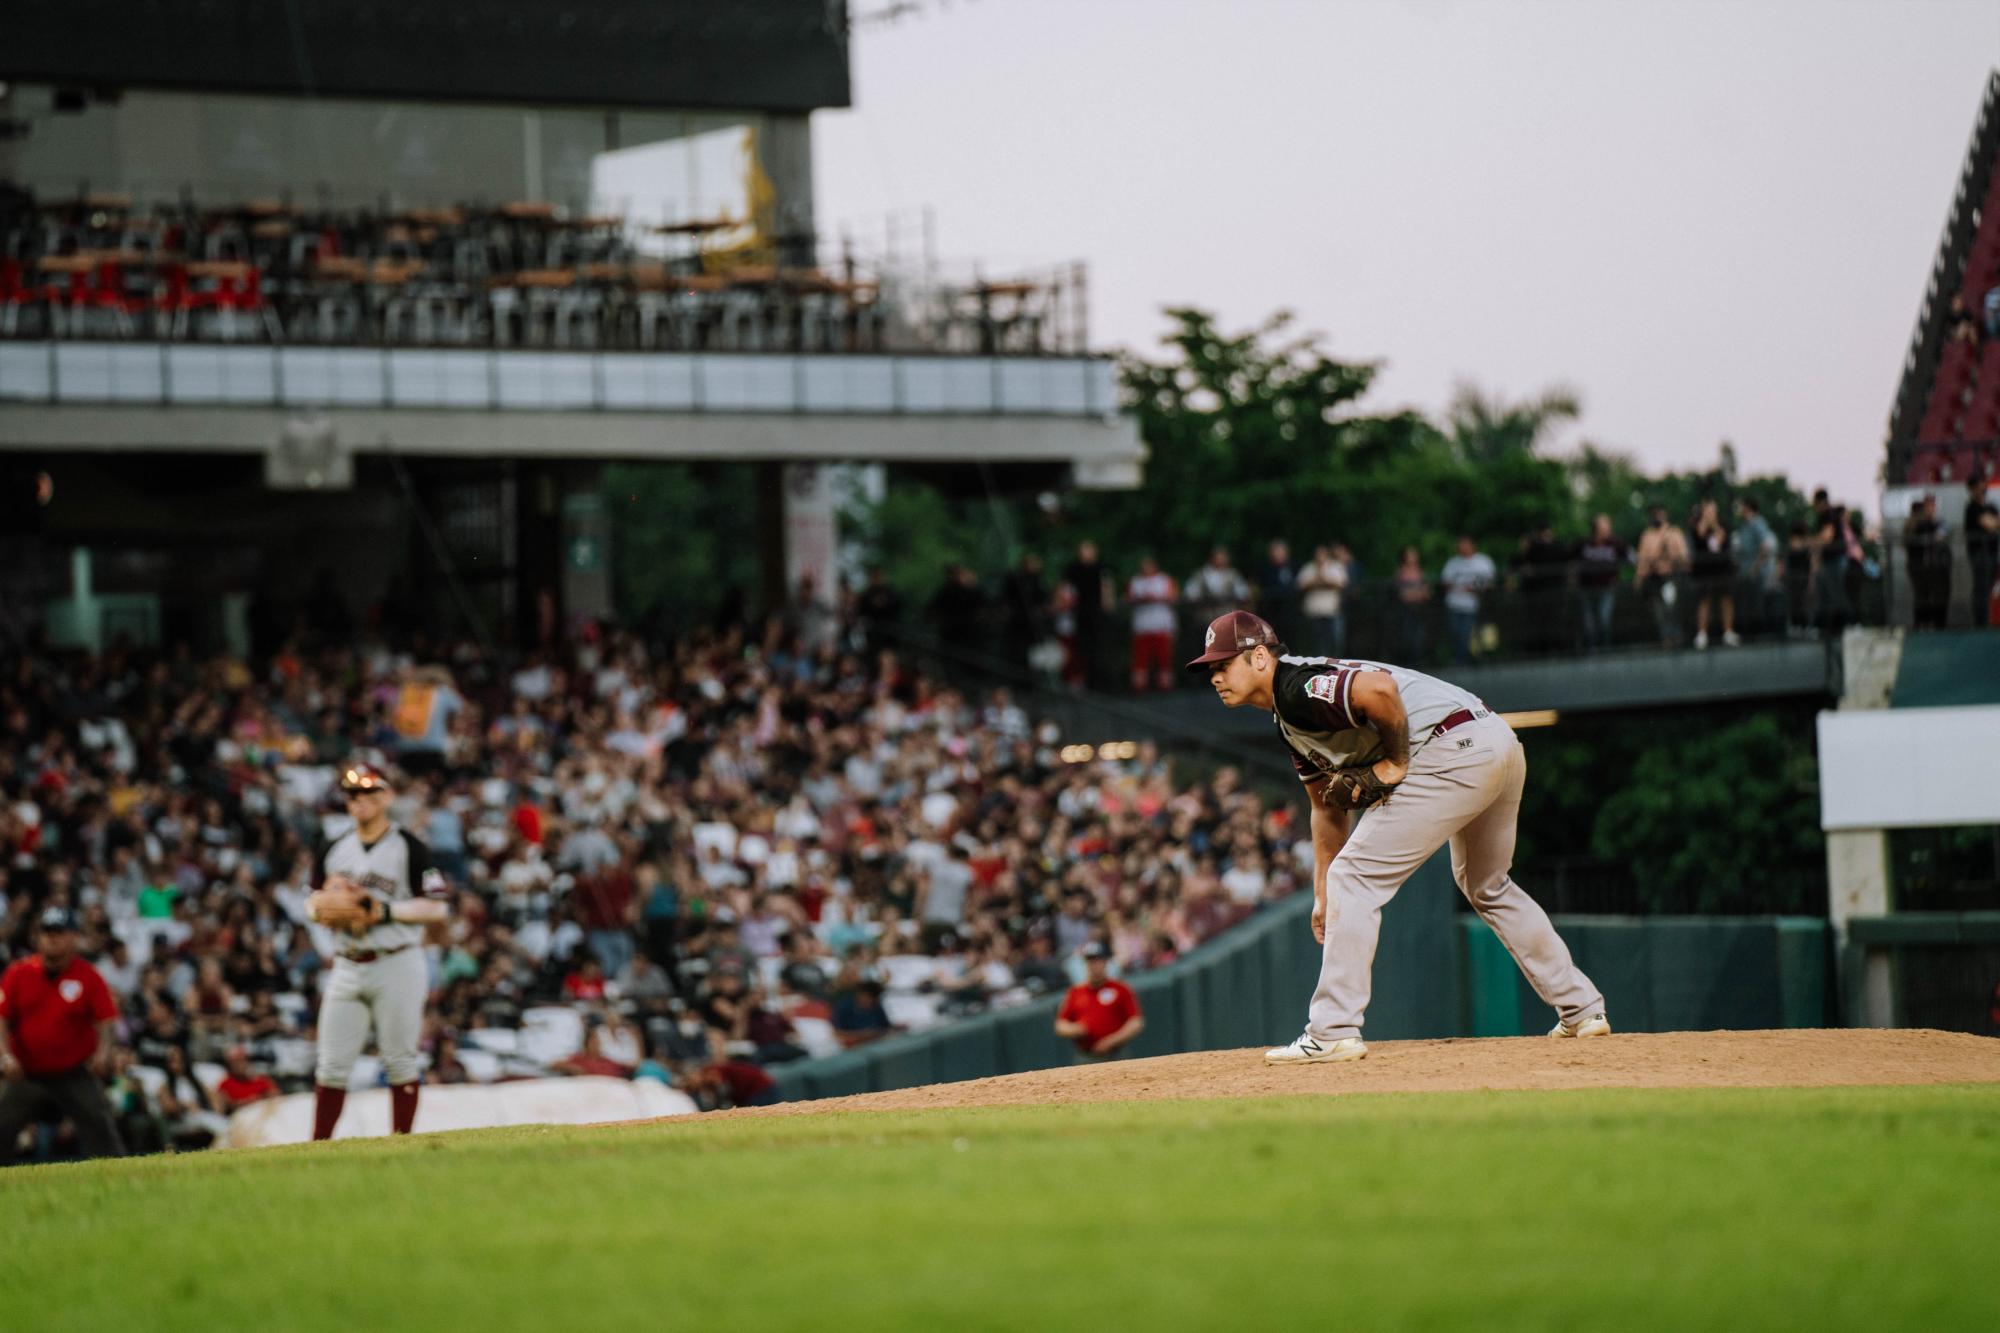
(1331, 689)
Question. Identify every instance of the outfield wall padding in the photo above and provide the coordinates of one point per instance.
(1439, 972)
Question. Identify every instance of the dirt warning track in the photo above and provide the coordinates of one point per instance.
(1802, 1058)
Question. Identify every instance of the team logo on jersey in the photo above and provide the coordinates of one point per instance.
(71, 990)
(1325, 688)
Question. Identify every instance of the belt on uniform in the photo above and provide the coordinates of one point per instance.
(370, 955)
(1463, 715)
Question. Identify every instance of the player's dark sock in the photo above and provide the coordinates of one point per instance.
(402, 1107)
(326, 1110)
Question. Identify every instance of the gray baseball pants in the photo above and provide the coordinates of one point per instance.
(391, 989)
(1464, 786)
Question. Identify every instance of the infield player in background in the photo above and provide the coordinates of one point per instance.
(1429, 764)
(379, 972)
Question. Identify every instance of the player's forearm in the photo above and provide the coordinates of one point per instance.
(1132, 1028)
(1329, 835)
(419, 911)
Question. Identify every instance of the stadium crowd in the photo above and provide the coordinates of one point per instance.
(684, 864)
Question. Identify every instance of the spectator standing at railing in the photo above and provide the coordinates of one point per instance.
(1830, 560)
(1982, 548)
(1466, 577)
(1413, 602)
(1600, 558)
(1089, 583)
(1152, 594)
(1542, 566)
(1663, 559)
(1277, 586)
(1024, 609)
(957, 608)
(1753, 548)
(1214, 588)
(1928, 545)
(1798, 578)
(1323, 598)
(880, 609)
(1713, 570)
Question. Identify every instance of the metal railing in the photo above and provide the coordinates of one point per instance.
(1559, 620)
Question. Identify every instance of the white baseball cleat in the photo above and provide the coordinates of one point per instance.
(1310, 1050)
(1597, 1025)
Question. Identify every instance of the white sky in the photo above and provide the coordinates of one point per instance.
(1713, 220)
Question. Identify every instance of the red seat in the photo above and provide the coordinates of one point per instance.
(1982, 415)
(1941, 410)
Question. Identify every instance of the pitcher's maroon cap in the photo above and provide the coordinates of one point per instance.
(1230, 633)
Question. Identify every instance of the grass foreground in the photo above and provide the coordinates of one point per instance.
(1862, 1208)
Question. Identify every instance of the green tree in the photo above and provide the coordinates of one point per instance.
(676, 545)
(1485, 427)
(915, 530)
(1727, 819)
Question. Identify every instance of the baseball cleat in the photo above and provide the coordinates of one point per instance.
(1310, 1050)
(1597, 1025)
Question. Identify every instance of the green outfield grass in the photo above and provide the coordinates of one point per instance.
(1862, 1208)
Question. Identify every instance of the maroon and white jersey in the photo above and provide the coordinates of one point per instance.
(395, 866)
(1310, 704)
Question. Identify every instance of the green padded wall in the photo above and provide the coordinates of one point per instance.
(1438, 973)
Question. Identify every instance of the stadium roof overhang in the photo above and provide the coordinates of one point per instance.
(765, 55)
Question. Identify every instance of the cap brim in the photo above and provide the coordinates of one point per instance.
(1209, 659)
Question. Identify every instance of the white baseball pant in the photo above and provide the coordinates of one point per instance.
(1464, 786)
(391, 989)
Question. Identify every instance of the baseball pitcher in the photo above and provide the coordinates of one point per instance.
(377, 891)
(1429, 764)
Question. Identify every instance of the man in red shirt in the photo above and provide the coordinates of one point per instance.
(240, 1086)
(56, 1017)
(1101, 1015)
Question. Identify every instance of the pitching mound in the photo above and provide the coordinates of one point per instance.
(1792, 1058)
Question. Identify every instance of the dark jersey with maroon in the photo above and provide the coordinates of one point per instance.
(1313, 705)
(1102, 1009)
(52, 1020)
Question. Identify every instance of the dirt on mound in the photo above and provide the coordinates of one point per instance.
(1792, 1058)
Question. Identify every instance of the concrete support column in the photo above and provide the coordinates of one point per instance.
(785, 145)
(1857, 877)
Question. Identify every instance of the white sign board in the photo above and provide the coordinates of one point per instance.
(1909, 768)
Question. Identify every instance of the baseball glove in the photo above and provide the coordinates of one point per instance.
(1356, 788)
(340, 905)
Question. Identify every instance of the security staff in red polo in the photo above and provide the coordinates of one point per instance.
(56, 1018)
(1100, 1014)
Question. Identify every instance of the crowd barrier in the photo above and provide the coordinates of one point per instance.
(1438, 973)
